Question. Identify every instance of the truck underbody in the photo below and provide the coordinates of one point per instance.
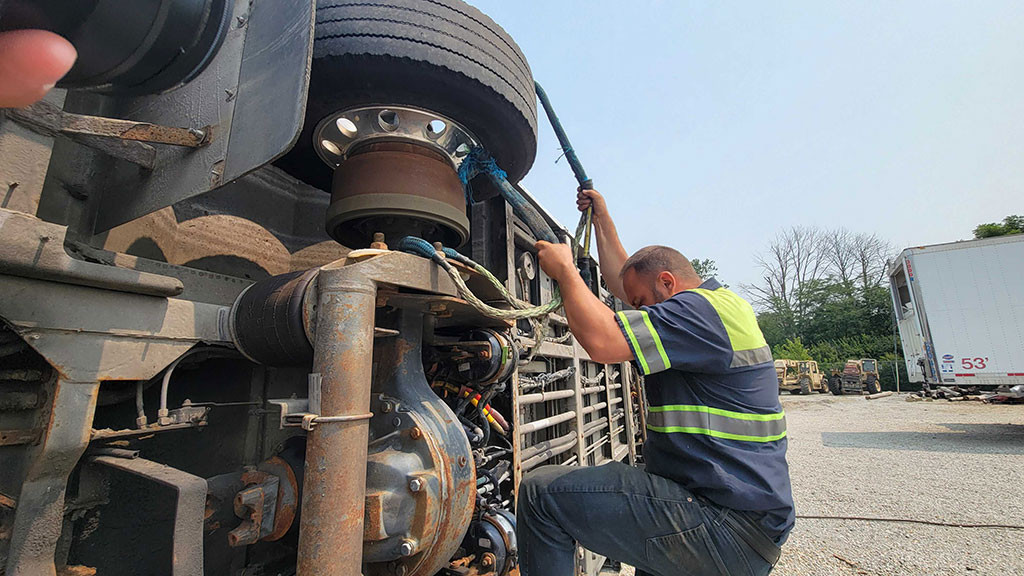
(210, 359)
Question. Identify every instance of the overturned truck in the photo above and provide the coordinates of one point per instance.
(212, 358)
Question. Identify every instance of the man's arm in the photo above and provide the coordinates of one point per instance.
(591, 322)
(610, 252)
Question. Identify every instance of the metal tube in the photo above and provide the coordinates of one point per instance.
(592, 389)
(595, 426)
(547, 422)
(593, 447)
(547, 454)
(331, 529)
(594, 408)
(539, 397)
(542, 446)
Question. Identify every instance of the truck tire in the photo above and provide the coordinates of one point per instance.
(441, 55)
(835, 384)
(805, 386)
(824, 387)
(872, 384)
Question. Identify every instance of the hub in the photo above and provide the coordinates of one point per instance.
(395, 172)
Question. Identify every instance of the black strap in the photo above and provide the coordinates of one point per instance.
(748, 530)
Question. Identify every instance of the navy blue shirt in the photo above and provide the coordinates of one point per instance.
(714, 419)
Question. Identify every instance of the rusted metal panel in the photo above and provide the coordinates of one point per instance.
(399, 189)
(16, 437)
(40, 513)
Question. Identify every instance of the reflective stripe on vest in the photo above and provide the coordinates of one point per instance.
(718, 423)
(748, 345)
(650, 354)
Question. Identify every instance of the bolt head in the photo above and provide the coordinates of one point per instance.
(416, 484)
(407, 548)
(416, 433)
(386, 406)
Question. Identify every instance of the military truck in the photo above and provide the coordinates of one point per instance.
(216, 354)
(856, 376)
(800, 376)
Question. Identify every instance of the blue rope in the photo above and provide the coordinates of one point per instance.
(418, 246)
(478, 161)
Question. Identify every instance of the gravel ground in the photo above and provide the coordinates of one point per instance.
(952, 462)
(955, 462)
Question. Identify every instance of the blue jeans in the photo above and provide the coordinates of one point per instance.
(628, 515)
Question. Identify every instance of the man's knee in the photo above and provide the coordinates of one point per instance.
(535, 484)
(536, 481)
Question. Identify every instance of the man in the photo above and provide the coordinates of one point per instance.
(715, 497)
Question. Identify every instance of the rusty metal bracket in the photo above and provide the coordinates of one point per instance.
(50, 120)
(187, 557)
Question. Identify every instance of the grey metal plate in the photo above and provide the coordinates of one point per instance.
(253, 95)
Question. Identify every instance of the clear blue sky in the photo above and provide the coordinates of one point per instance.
(710, 126)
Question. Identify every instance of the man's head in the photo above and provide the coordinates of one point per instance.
(655, 274)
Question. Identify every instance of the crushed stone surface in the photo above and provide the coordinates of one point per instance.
(952, 462)
(940, 461)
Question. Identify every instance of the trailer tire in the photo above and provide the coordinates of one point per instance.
(440, 55)
(872, 384)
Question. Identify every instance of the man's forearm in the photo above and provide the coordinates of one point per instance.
(592, 323)
(611, 255)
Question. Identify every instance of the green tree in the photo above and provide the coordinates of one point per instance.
(706, 268)
(793, 349)
(1013, 224)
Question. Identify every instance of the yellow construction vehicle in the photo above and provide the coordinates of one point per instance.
(800, 376)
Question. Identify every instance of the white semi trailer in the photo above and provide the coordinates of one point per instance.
(960, 312)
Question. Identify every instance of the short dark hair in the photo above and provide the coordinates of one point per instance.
(658, 259)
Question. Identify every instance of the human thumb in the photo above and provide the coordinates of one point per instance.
(31, 62)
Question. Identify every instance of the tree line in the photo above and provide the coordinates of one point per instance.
(824, 295)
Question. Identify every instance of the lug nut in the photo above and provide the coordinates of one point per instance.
(407, 548)
(378, 241)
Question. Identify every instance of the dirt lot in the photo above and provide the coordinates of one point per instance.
(953, 462)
